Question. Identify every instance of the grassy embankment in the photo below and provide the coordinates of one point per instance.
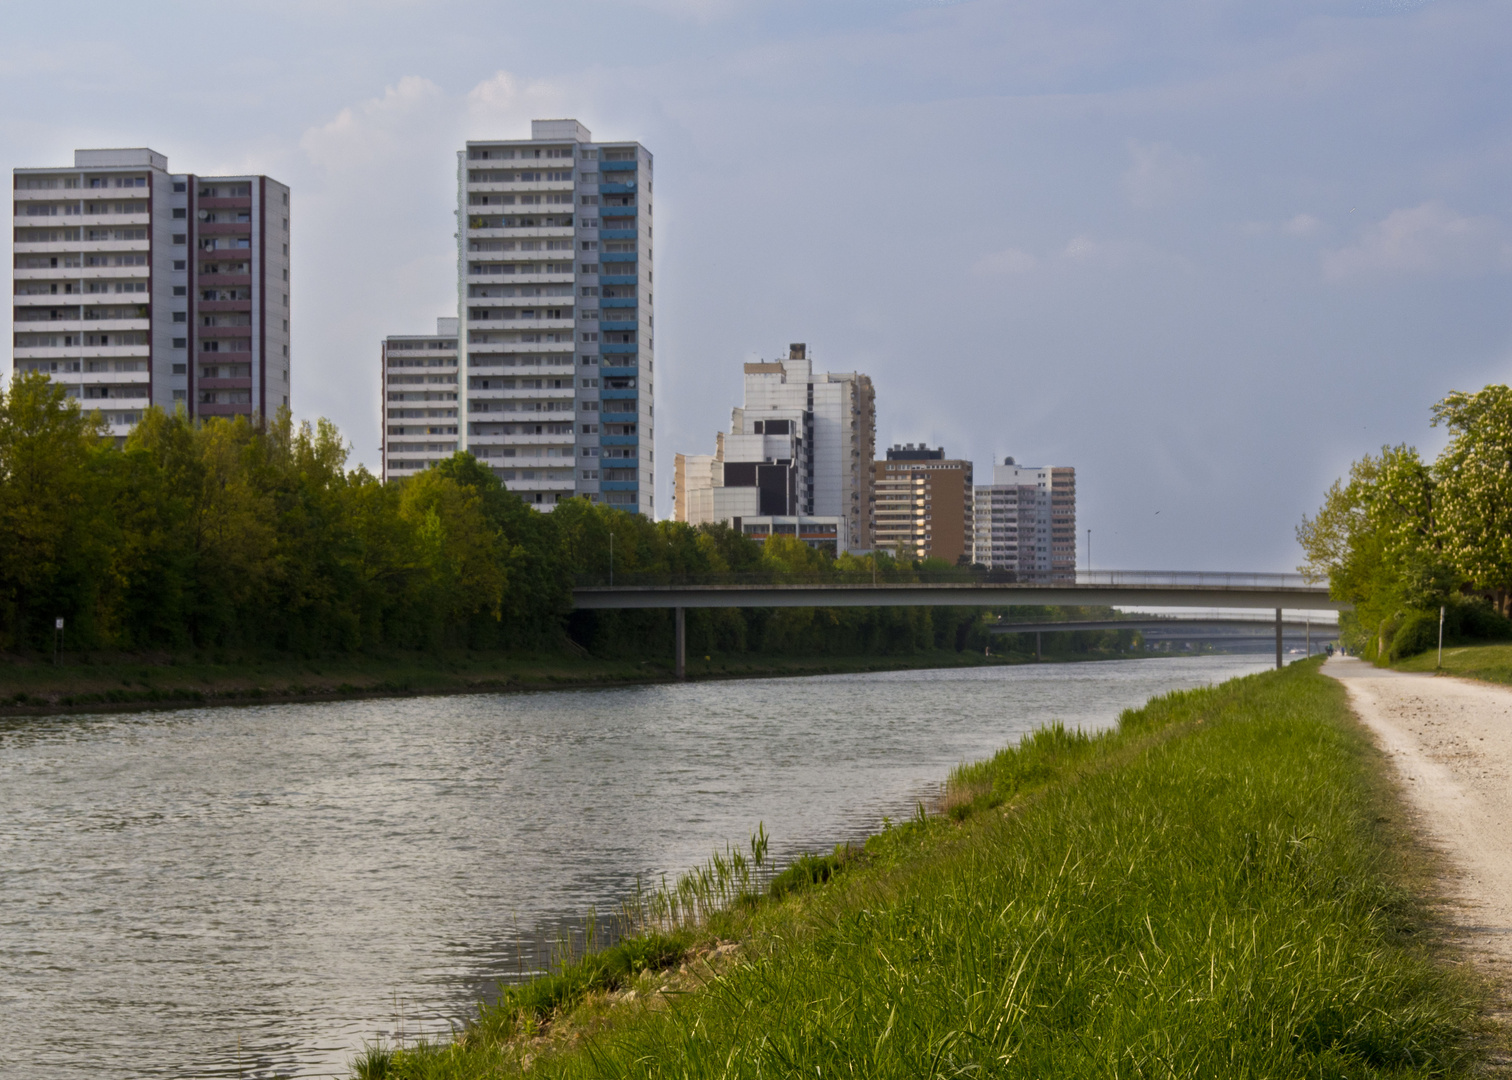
(34, 685)
(1220, 887)
(1489, 663)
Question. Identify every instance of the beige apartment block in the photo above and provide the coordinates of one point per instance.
(1025, 522)
(923, 504)
(419, 399)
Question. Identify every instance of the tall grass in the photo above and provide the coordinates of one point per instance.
(1203, 892)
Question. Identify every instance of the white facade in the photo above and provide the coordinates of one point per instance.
(1025, 522)
(420, 400)
(137, 287)
(798, 453)
(556, 319)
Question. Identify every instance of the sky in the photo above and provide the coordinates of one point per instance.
(1206, 252)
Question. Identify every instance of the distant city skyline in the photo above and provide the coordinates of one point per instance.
(1208, 257)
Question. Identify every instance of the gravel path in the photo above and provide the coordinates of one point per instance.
(1451, 741)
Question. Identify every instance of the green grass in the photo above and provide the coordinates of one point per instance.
(1491, 663)
(1216, 888)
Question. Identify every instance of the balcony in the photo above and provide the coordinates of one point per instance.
(515, 438)
(617, 189)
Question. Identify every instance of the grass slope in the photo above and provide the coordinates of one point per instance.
(1210, 890)
(1490, 663)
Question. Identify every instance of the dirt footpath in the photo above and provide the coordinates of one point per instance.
(1451, 740)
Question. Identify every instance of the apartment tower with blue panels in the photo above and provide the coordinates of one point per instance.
(554, 305)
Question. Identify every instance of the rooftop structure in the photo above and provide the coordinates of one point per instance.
(799, 448)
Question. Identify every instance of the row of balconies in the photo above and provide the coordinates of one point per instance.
(512, 324)
(78, 273)
(74, 221)
(520, 232)
(60, 352)
(512, 187)
(75, 299)
(479, 429)
(422, 395)
(72, 247)
(78, 325)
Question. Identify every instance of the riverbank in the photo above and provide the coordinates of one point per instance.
(34, 686)
(1488, 663)
(1224, 885)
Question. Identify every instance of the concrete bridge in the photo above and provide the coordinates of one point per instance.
(1114, 588)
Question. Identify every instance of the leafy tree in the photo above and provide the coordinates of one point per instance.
(1475, 474)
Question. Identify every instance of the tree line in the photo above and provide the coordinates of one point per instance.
(1402, 537)
(225, 533)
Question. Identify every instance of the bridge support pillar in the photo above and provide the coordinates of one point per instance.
(1036, 646)
(682, 643)
(1278, 639)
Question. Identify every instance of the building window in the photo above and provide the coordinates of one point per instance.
(180, 343)
(181, 290)
(180, 212)
(180, 316)
(180, 238)
(179, 185)
(181, 369)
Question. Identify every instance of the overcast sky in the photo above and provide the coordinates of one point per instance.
(1206, 252)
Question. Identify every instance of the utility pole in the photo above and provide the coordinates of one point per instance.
(1441, 637)
(1278, 639)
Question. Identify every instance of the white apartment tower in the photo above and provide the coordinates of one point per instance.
(135, 286)
(797, 460)
(420, 400)
(556, 327)
(1025, 522)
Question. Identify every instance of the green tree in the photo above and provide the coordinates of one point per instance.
(1475, 475)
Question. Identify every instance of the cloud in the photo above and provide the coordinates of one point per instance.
(1007, 261)
(1159, 175)
(1430, 239)
(377, 129)
(1302, 225)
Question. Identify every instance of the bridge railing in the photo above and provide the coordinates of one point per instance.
(1200, 578)
(964, 576)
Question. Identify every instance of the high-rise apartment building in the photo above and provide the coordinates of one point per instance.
(1026, 522)
(556, 336)
(923, 504)
(419, 399)
(137, 286)
(797, 459)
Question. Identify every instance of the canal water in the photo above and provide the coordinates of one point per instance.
(254, 892)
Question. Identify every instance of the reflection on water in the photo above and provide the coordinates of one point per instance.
(253, 892)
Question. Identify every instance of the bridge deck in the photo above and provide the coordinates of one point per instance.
(958, 594)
